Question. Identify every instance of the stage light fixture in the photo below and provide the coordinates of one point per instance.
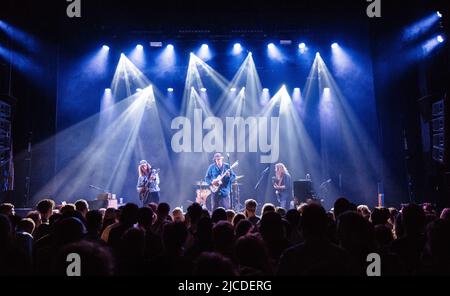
(334, 45)
(205, 46)
(302, 46)
(107, 90)
(105, 47)
(233, 89)
(285, 42)
(139, 47)
(439, 14)
(237, 48)
(271, 45)
(296, 89)
(317, 54)
(170, 46)
(156, 44)
(440, 39)
(170, 89)
(265, 89)
(203, 89)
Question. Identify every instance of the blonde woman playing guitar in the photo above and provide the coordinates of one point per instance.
(148, 183)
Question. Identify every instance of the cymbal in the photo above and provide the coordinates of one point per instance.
(202, 183)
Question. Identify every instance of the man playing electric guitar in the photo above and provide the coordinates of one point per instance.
(148, 183)
(220, 176)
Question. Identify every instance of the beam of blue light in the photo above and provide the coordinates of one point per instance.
(19, 36)
(431, 44)
(137, 56)
(342, 62)
(21, 62)
(98, 63)
(419, 28)
(274, 53)
(166, 60)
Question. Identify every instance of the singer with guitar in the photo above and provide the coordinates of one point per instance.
(148, 183)
(282, 185)
(220, 176)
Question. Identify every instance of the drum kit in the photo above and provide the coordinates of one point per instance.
(203, 192)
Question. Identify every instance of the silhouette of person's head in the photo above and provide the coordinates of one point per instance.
(94, 220)
(213, 264)
(313, 222)
(69, 230)
(251, 251)
(243, 227)
(413, 219)
(238, 217)
(355, 233)
(223, 236)
(268, 207)
(174, 236)
(271, 226)
(145, 217)
(96, 260)
(219, 214)
(445, 214)
(341, 205)
(194, 212)
(163, 210)
(379, 216)
(128, 215)
(293, 217)
(5, 230)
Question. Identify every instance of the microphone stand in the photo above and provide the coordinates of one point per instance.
(261, 177)
(231, 190)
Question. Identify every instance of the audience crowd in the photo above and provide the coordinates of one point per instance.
(155, 240)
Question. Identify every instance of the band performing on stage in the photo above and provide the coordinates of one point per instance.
(218, 185)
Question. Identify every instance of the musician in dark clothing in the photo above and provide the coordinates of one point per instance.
(148, 183)
(221, 198)
(283, 185)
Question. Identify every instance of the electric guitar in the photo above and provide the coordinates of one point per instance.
(145, 190)
(218, 180)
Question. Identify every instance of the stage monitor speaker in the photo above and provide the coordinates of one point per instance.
(98, 204)
(303, 190)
